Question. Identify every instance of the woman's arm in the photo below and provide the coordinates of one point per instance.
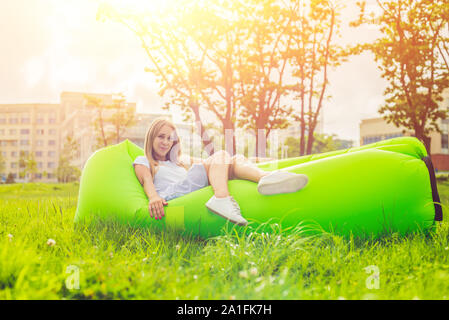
(156, 203)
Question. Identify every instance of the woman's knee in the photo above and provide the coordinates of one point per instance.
(221, 157)
(236, 159)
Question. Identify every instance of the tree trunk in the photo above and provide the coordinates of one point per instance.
(207, 143)
(229, 137)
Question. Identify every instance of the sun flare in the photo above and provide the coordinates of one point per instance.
(140, 5)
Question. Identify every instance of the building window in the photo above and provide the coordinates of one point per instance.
(444, 141)
(40, 132)
(40, 120)
(2, 131)
(39, 143)
(13, 143)
(39, 165)
(51, 165)
(13, 165)
(13, 120)
(12, 131)
(393, 135)
(52, 154)
(24, 142)
(50, 175)
(38, 175)
(24, 131)
(3, 143)
(2, 120)
(52, 132)
(38, 153)
(14, 154)
(51, 142)
(372, 139)
(25, 120)
(52, 120)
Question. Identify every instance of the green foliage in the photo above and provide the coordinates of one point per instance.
(111, 120)
(66, 172)
(237, 60)
(314, 51)
(413, 57)
(321, 143)
(27, 165)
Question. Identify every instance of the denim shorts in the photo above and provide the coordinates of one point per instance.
(196, 179)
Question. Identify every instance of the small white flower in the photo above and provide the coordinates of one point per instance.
(178, 247)
(195, 276)
(253, 271)
(10, 236)
(51, 242)
(243, 274)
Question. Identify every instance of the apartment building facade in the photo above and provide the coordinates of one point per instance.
(39, 130)
(30, 129)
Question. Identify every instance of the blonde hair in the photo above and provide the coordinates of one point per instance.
(175, 151)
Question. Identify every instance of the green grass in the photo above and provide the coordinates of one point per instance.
(116, 262)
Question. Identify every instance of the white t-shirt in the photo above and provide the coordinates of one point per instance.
(167, 173)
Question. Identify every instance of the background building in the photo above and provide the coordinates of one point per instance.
(40, 130)
(377, 129)
(31, 130)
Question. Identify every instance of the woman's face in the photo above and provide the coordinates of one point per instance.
(163, 142)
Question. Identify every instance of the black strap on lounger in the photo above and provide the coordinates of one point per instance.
(433, 184)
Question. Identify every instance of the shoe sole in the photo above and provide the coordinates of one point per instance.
(286, 184)
(242, 224)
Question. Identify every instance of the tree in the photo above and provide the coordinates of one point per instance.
(10, 178)
(111, 120)
(176, 61)
(321, 143)
(220, 39)
(99, 123)
(66, 172)
(411, 56)
(123, 117)
(263, 69)
(312, 53)
(2, 162)
(226, 57)
(27, 165)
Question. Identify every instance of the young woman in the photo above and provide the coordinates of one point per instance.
(164, 176)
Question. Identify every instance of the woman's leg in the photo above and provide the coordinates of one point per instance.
(218, 167)
(242, 168)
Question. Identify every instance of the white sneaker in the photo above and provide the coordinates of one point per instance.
(281, 182)
(226, 208)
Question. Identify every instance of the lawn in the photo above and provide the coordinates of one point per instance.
(42, 256)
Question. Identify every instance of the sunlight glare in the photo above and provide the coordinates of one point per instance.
(140, 5)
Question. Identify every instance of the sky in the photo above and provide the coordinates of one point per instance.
(51, 46)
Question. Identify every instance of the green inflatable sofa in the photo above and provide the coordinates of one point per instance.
(366, 191)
